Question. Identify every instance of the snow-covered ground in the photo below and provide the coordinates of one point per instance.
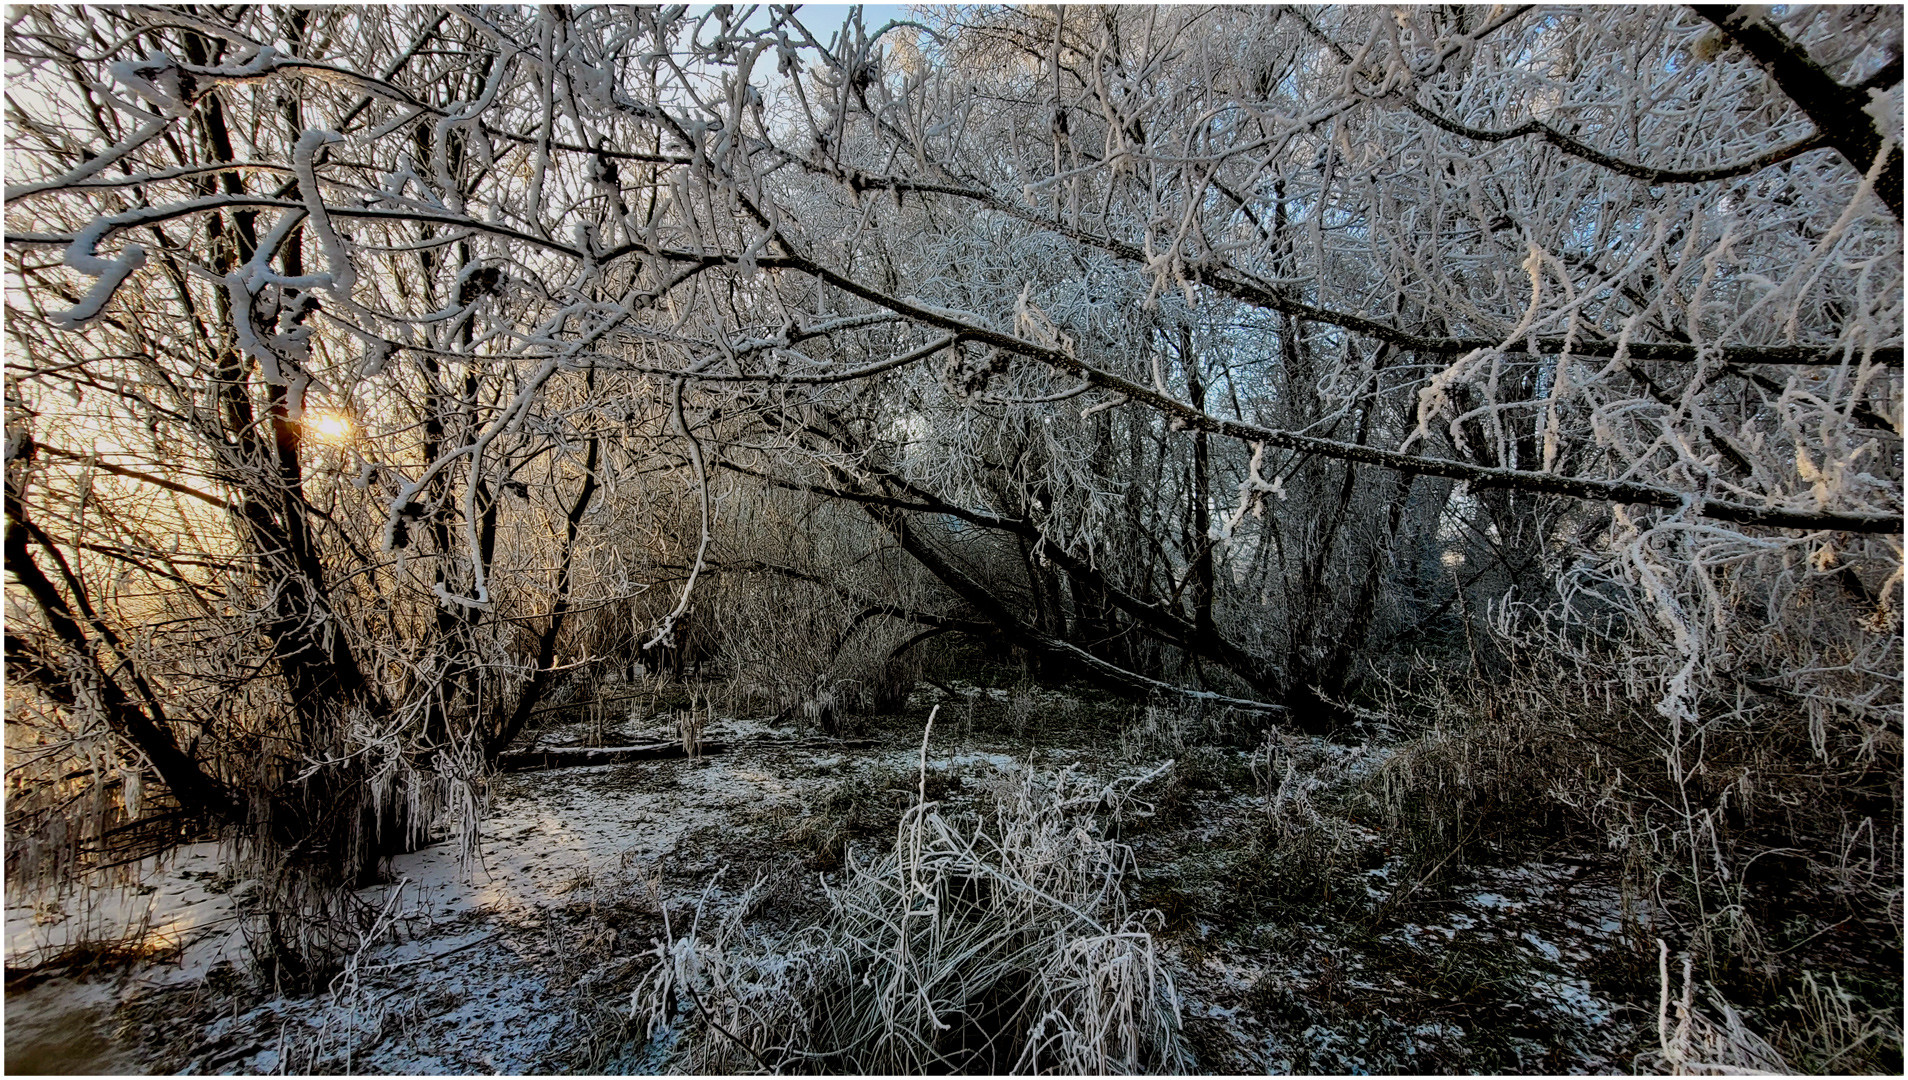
(522, 961)
(461, 976)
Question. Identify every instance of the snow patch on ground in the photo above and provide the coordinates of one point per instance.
(458, 983)
(183, 904)
(550, 830)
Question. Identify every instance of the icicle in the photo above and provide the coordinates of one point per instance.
(131, 791)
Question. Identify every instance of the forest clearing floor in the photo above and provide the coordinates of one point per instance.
(1302, 960)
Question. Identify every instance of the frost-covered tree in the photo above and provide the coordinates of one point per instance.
(1216, 352)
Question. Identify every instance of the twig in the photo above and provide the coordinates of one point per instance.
(433, 956)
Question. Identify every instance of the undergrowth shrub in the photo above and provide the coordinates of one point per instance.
(887, 688)
(1833, 1031)
(1754, 837)
(981, 943)
(1495, 765)
(1693, 1039)
(1307, 838)
(1176, 726)
(861, 806)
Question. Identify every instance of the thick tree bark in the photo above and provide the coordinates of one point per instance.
(1201, 590)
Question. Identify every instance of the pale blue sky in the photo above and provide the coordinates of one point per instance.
(823, 17)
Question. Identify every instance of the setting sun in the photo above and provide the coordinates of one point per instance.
(333, 427)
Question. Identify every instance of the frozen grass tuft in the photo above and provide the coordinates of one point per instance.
(988, 943)
(1691, 1042)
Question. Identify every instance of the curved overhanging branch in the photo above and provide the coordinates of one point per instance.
(154, 215)
(94, 460)
(1582, 150)
(1155, 620)
(1182, 414)
(147, 730)
(1264, 296)
(1187, 417)
(1540, 130)
(936, 623)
